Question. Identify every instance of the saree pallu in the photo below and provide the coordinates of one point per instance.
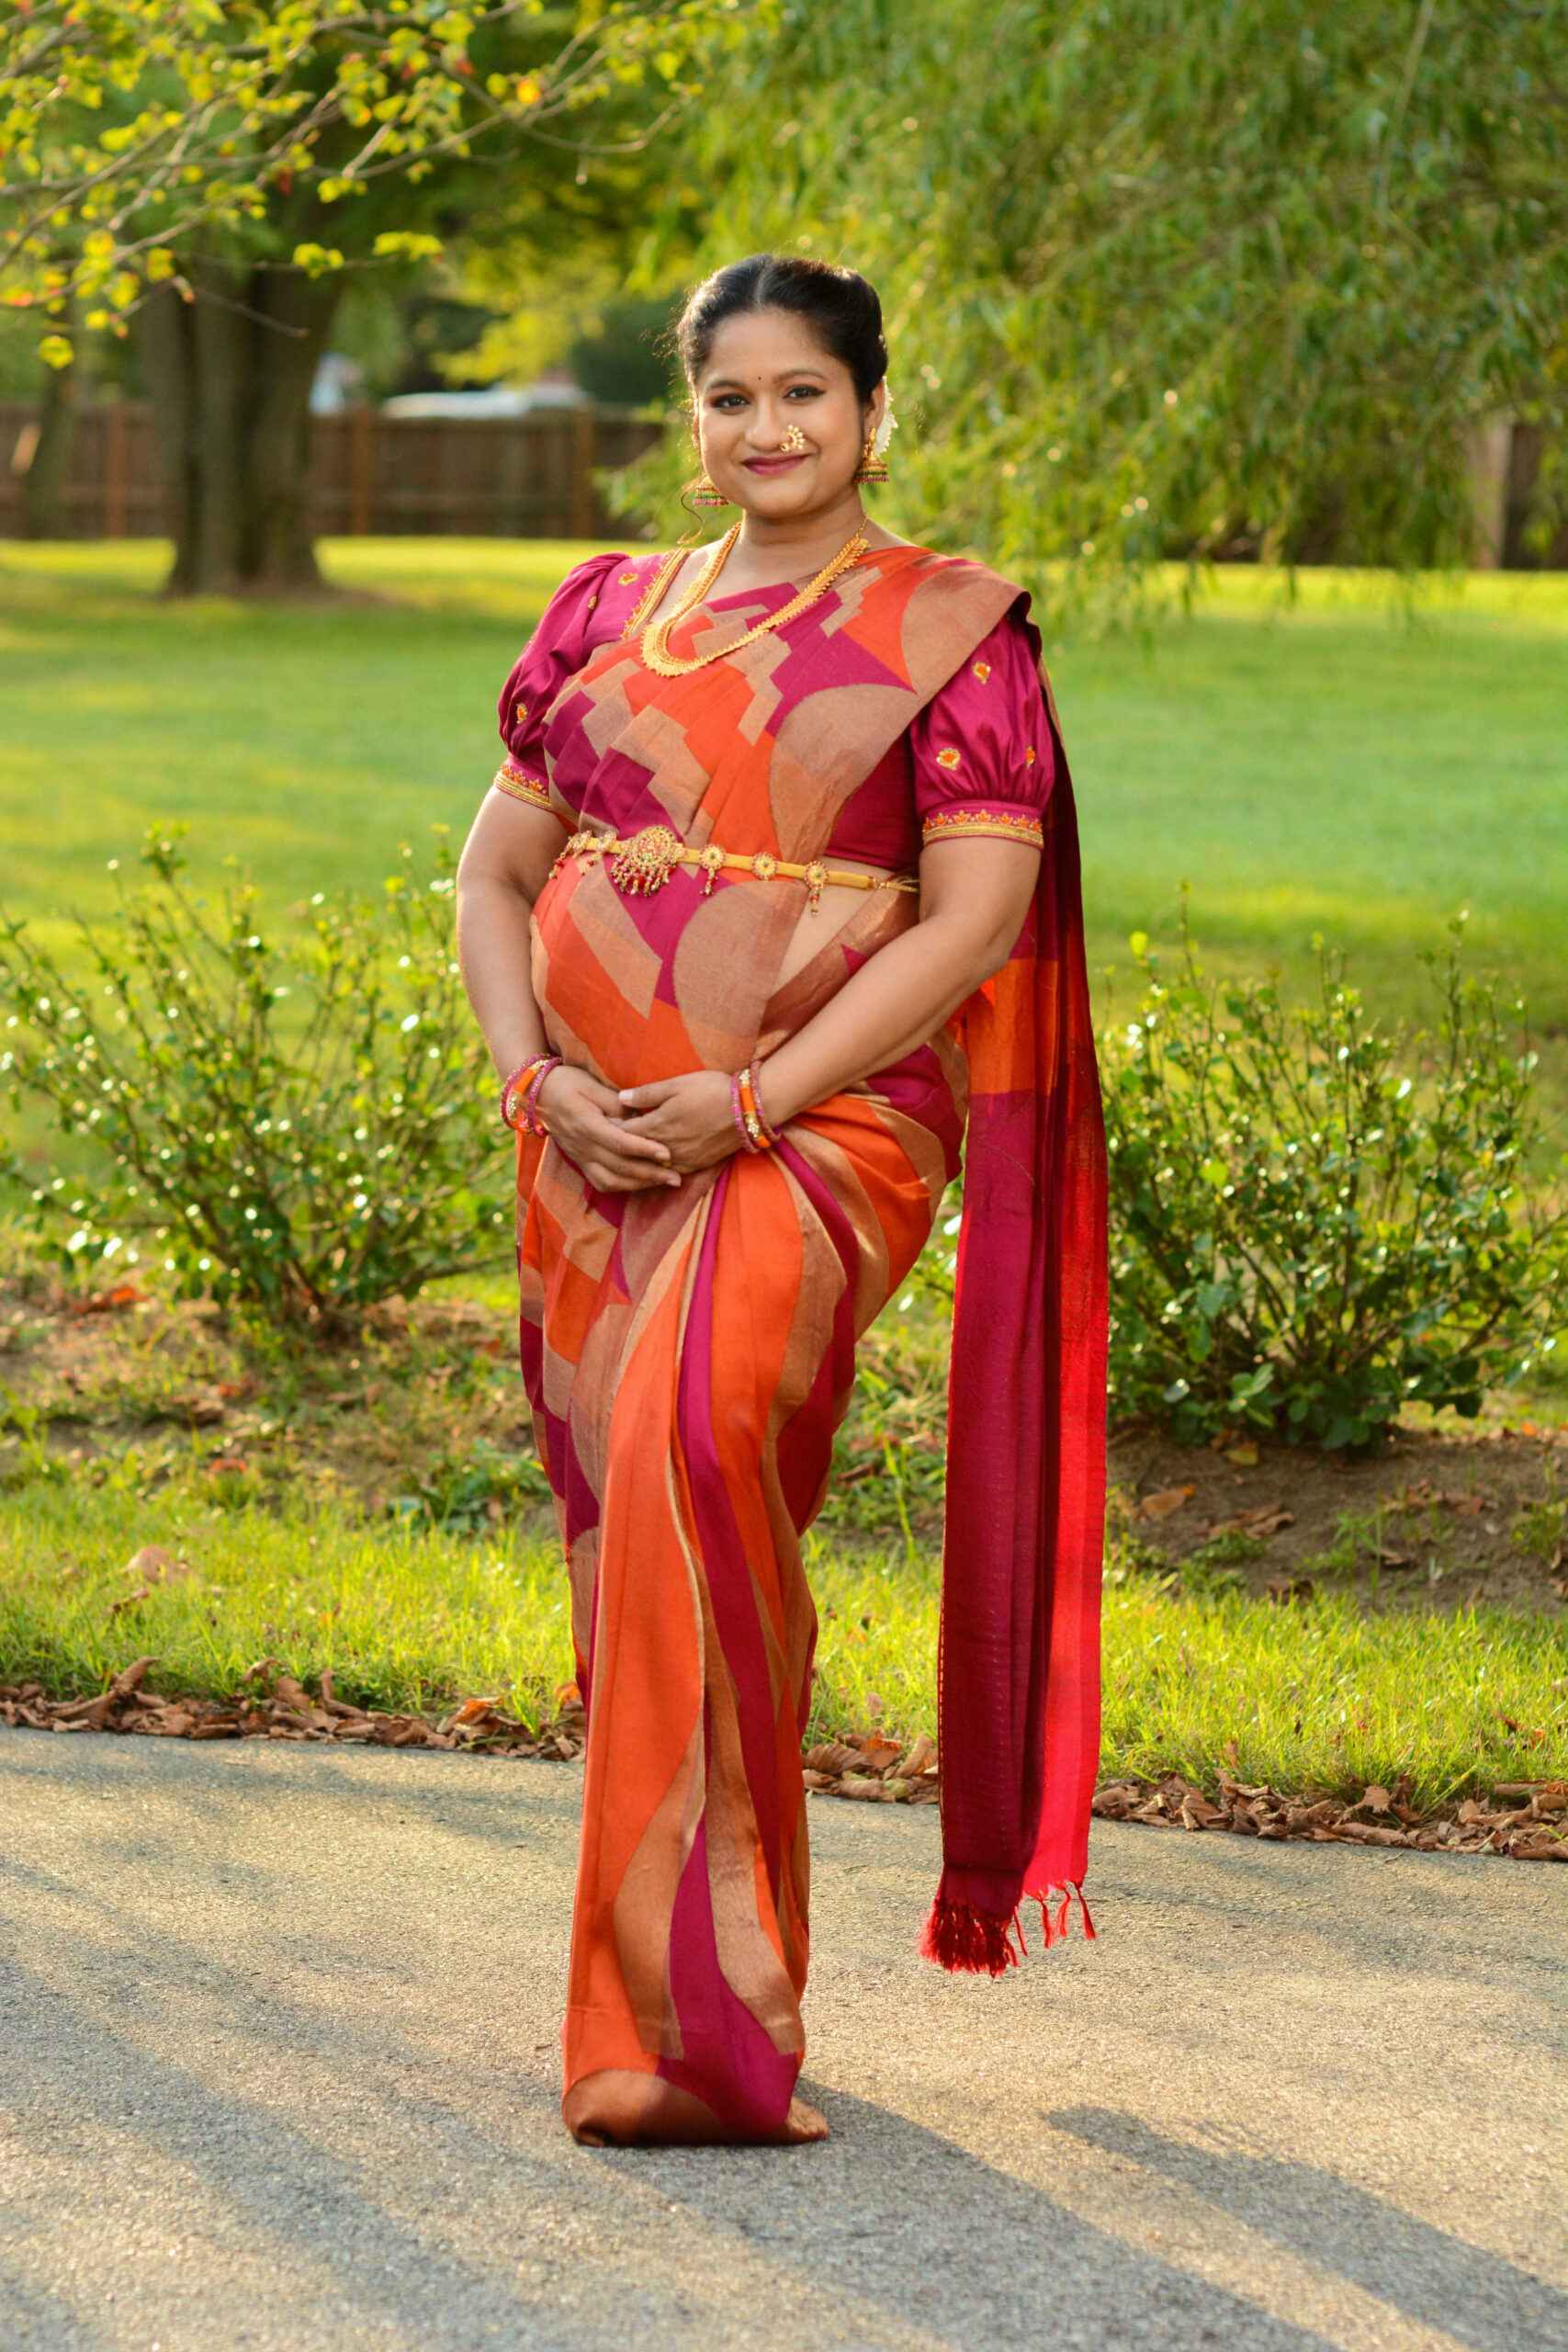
(689, 1353)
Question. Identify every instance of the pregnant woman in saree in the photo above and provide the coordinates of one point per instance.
(774, 897)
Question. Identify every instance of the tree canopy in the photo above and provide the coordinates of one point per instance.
(1173, 276)
(207, 171)
(134, 131)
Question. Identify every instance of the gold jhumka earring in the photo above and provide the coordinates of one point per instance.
(705, 492)
(872, 466)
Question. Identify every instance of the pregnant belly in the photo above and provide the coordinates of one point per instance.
(838, 908)
(638, 987)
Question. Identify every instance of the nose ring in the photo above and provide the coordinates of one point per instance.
(795, 443)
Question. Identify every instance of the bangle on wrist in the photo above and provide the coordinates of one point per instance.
(520, 1078)
(736, 1109)
(758, 1135)
(531, 1119)
(753, 1077)
(519, 1094)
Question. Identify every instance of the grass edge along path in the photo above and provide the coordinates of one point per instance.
(1313, 1702)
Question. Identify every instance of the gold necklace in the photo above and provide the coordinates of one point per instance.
(655, 651)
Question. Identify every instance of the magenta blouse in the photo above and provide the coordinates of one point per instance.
(976, 760)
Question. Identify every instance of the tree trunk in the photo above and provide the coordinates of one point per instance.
(229, 375)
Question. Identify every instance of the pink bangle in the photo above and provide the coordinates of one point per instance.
(521, 1076)
(764, 1121)
(526, 1080)
(533, 1122)
(741, 1128)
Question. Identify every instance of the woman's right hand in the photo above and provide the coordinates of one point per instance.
(588, 1121)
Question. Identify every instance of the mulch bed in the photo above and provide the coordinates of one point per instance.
(279, 1708)
(1440, 1512)
(1525, 1821)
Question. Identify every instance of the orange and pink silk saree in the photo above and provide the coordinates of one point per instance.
(690, 1352)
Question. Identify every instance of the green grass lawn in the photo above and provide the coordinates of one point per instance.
(1316, 1697)
(1343, 763)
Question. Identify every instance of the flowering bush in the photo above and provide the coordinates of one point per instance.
(1315, 1220)
(302, 1126)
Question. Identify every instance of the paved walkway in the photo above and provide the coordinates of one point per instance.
(279, 2069)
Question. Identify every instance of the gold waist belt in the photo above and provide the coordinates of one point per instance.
(645, 863)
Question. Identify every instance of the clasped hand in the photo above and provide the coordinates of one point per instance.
(643, 1136)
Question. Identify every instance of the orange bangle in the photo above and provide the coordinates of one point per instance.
(761, 1138)
(754, 1082)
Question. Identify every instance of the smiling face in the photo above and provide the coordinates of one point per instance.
(769, 387)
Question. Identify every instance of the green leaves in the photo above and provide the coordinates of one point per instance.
(304, 1126)
(1172, 280)
(1314, 1221)
(131, 126)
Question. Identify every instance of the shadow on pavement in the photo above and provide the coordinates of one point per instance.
(948, 2250)
(888, 2237)
(1444, 2281)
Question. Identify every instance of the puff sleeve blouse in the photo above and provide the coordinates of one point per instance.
(587, 610)
(978, 759)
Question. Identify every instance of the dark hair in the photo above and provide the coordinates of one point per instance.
(840, 307)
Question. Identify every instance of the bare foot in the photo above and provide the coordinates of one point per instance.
(617, 2108)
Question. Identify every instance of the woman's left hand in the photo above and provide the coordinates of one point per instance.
(693, 1115)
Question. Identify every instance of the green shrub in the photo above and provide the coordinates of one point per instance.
(1314, 1220)
(304, 1127)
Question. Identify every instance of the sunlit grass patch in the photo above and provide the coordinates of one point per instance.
(405, 1618)
(1321, 1695)
(1315, 1696)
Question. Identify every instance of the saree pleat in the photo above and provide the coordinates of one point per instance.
(690, 1351)
(696, 1627)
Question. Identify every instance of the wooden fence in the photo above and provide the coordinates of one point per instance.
(523, 477)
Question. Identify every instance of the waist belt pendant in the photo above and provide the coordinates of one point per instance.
(645, 863)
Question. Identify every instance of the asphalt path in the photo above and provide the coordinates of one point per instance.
(279, 2069)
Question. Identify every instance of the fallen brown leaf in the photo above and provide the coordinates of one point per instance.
(1261, 1521)
(1169, 1498)
(1289, 1589)
(158, 1567)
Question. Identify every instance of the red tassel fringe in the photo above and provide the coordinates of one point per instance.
(1056, 1929)
(970, 1943)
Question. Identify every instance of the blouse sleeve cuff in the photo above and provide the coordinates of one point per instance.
(958, 821)
(518, 785)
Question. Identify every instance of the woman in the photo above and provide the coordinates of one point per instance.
(778, 876)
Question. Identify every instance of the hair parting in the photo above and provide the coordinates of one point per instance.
(840, 307)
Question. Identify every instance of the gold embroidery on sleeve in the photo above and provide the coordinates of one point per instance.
(999, 824)
(518, 785)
